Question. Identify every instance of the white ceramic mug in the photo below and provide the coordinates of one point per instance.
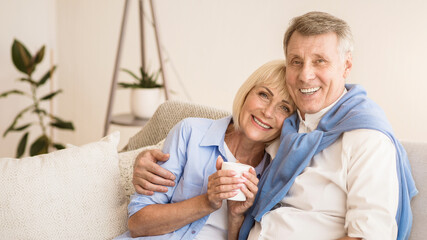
(239, 168)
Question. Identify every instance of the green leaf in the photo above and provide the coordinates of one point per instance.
(145, 81)
(40, 146)
(58, 146)
(39, 55)
(27, 80)
(12, 126)
(129, 85)
(63, 125)
(42, 111)
(131, 73)
(22, 145)
(144, 74)
(5, 94)
(18, 129)
(59, 123)
(22, 58)
(45, 77)
(50, 95)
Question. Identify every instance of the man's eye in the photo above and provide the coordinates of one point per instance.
(296, 62)
(320, 60)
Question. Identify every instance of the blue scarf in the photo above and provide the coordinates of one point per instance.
(353, 111)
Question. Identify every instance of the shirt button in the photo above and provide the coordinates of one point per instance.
(193, 232)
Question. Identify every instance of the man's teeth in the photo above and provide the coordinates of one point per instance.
(261, 124)
(309, 90)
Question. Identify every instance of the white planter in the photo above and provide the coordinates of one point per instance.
(144, 101)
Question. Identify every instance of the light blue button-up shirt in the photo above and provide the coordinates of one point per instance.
(194, 145)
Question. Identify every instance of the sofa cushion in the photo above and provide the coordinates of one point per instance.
(166, 116)
(73, 193)
(417, 154)
(126, 161)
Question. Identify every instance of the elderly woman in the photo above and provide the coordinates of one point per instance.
(196, 207)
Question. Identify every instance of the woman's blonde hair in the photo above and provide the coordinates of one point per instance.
(271, 74)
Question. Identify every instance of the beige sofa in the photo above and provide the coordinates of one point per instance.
(82, 192)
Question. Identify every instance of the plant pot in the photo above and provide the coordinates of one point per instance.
(145, 101)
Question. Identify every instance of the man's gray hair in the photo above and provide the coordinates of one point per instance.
(315, 23)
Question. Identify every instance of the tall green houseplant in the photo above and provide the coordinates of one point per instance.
(27, 63)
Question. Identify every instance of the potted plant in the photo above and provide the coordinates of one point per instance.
(146, 93)
(26, 63)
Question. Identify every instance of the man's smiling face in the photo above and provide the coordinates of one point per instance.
(316, 72)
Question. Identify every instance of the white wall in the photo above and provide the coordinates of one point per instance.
(215, 45)
(218, 44)
(33, 23)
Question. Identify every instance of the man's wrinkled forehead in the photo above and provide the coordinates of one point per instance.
(288, 52)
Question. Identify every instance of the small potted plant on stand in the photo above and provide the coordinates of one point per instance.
(146, 94)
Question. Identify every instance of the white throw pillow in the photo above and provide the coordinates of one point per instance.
(73, 193)
(126, 161)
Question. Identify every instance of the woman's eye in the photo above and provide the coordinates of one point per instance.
(263, 95)
(285, 108)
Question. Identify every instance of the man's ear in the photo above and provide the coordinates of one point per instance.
(348, 64)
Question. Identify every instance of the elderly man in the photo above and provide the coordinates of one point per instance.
(339, 172)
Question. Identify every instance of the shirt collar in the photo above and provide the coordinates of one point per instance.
(312, 120)
(212, 138)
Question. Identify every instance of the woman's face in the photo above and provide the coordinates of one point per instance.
(263, 113)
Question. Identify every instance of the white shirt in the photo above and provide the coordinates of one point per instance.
(348, 189)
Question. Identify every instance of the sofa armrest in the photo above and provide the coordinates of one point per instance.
(166, 116)
(417, 154)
